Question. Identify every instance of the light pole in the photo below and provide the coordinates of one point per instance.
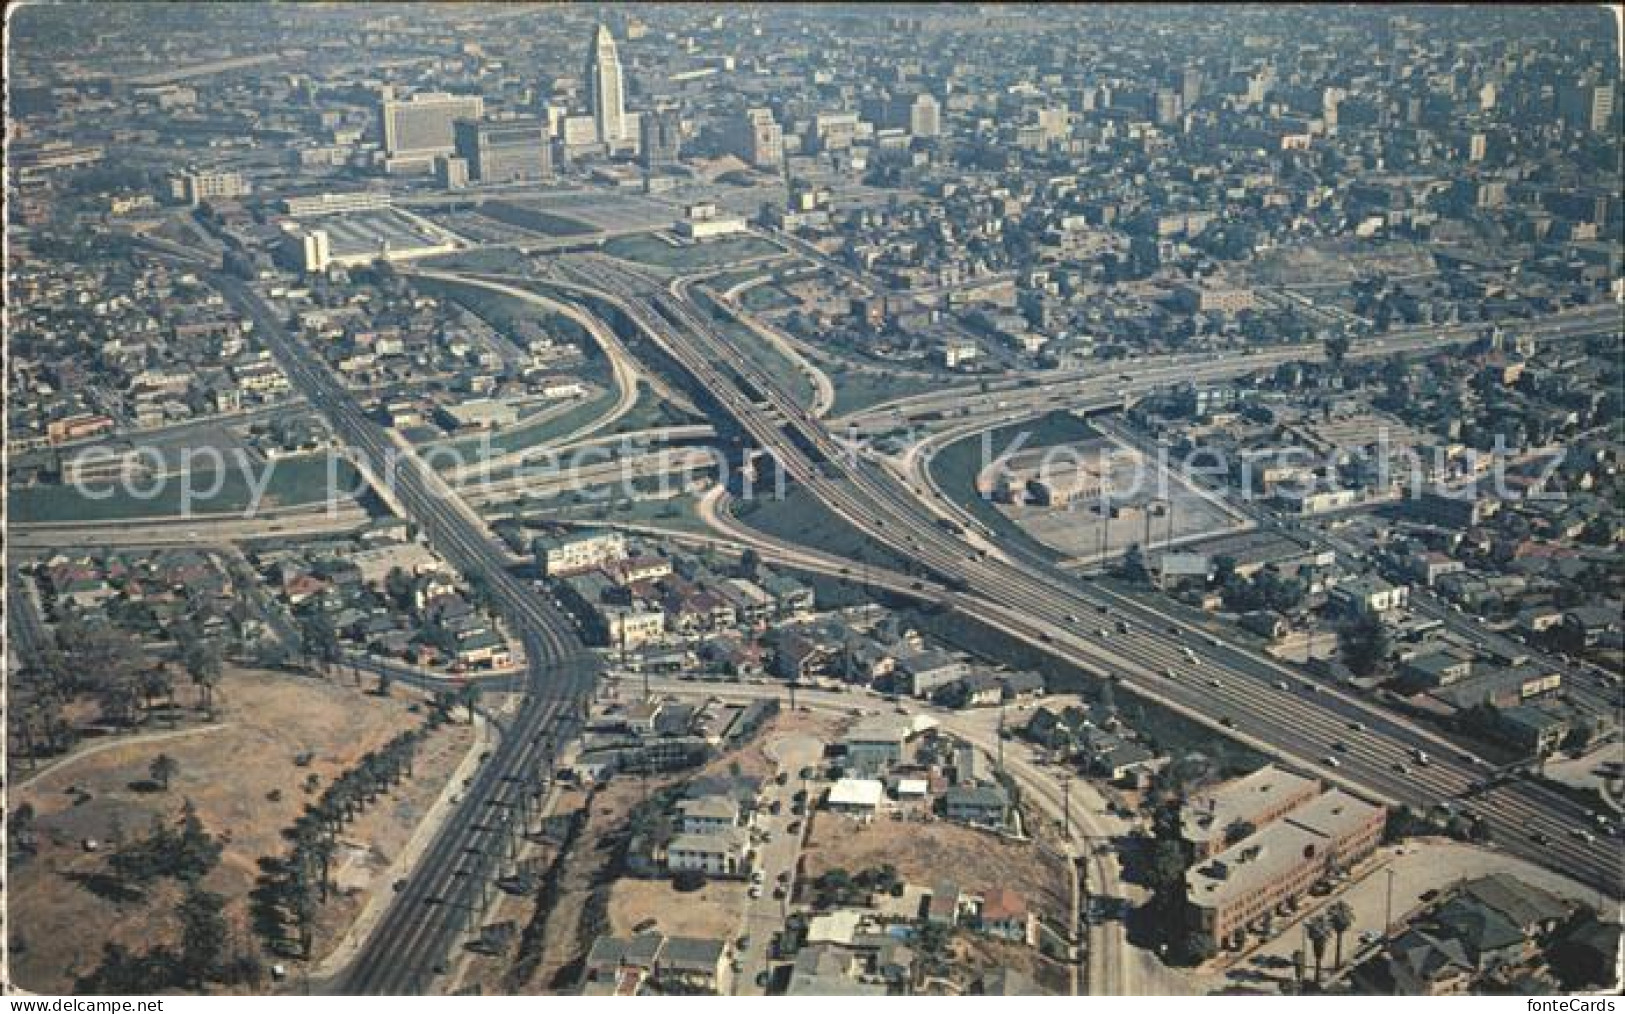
(1388, 920)
(1066, 805)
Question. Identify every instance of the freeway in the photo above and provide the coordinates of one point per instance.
(1168, 659)
(1173, 367)
(447, 889)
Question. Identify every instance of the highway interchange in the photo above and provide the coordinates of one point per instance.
(1266, 704)
(1164, 657)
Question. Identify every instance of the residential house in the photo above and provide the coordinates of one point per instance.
(721, 854)
(1004, 913)
(711, 814)
(982, 805)
(875, 742)
(856, 796)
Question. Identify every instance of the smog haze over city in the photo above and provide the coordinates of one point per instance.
(787, 500)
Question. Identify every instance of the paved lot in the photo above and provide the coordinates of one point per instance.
(1429, 865)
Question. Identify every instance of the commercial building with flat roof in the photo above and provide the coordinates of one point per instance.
(504, 151)
(419, 128)
(1255, 799)
(1278, 864)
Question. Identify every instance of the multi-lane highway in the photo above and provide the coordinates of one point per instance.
(443, 895)
(1169, 659)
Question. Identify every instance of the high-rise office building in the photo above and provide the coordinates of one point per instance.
(504, 151)
(925, 117)
(316, 250)
(660, 136)
(419, 128)
(1190, 86)
(1587, 106)
(758, 139)
(1167, 107)
(606, 95)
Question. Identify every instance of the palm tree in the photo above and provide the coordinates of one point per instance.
(468, 695)
(1319, 935)
(1341, 918)
(162, 769)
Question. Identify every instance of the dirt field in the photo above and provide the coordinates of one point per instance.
(715, 910)
(565, 939)
(753, 760)
(230, 773)
(976, 955)
(923, 853)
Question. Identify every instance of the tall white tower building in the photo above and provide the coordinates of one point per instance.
(605, 91)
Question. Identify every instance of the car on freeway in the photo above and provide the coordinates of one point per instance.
(1227, 722)
(1331, 762)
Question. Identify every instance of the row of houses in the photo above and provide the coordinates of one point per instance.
(382, 592)
(1495, 933)
(628, 599)
(651, 735)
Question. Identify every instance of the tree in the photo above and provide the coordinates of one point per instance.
(1134, 568)
(203, 662)
(20, 830)
(1319, 935)
(1166, 872)
(1363, 643)
(1337, 348)
(318, 641)
(1341, 918)
(163, 768)
(468, 695)
(203, 935)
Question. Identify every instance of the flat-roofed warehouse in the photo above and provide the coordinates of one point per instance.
(1279, 864)
(354, 238)
(1255, 800)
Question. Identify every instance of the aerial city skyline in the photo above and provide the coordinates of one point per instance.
(813, 500)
